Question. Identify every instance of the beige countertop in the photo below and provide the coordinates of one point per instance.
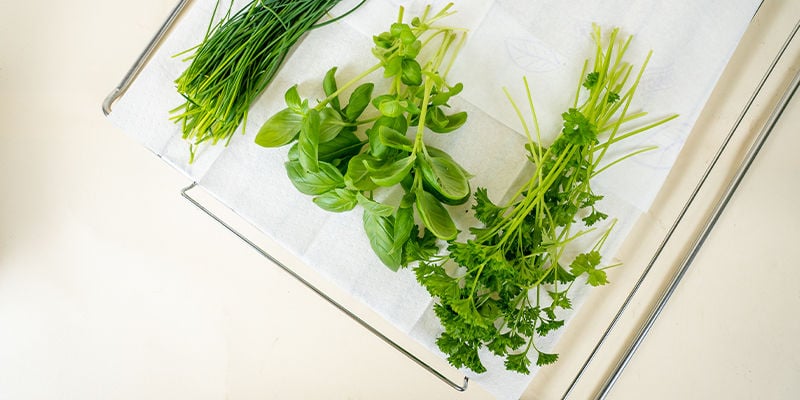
(112, 286)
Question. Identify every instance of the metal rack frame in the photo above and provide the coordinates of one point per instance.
(655, 311)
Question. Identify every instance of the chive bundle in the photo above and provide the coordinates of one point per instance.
(238, 57)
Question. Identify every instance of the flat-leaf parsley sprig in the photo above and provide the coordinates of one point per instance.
(512, 281)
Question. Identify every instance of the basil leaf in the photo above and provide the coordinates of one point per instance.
(336, 200)
(411, 72)
(308, 141)
(435, 216)
(329, 86)
(342, 147)
(388, 105)
(357, 175)
(394, 139)
(359, 100)
(330, 124)
(445, 179)
(441, 123)
(314, 183)
(403, 225)
(392, 67)
(292, 99)
(377, 148)
(374, 207)
(379, 230)
(280, 129)
(392, 173)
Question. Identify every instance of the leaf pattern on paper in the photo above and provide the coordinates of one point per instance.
(533, 55)
(658, 78)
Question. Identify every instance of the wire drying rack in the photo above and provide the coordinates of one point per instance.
(652, 314)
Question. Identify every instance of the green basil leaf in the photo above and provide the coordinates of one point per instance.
(435, 118)
(373, 207)
(384, 40)
(403, 225)
(435, 216)
(294, 153)
(444, 178)
(336, 200)
(329, 85)
(392, 173)
(411, 72)
(394, 139)
(308, 141)
(397, 28)
(280, 129)
(292, 99)
(388, 105)
(359, 100)
(380, 230)
(449, 124)
(412, 50)
(377, 148)
(314, 183)
(357, 175)
(392, 67)
(342, 147)
(330, 124)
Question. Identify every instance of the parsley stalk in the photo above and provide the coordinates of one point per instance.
(512, 279)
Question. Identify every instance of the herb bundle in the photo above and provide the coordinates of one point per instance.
(342, 167)
(237, 58)
(510, 282)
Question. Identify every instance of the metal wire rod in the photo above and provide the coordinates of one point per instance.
(698, 243)
(143, 57)
(680, 216)
(324, 295)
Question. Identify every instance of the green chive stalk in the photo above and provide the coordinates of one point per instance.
(237, 59)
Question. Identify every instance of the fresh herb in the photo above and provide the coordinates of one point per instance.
(236, 60)
(509, 284)
(331, 159)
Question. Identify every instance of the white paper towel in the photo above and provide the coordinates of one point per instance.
(547, 41)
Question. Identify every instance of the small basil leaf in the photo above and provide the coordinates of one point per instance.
(292, 99)
(336, 200)
(391, 108)
(374, 207)
(403, 225)
(444, 178)
(357, 175)
(455, 89)
(412, 50)
(392, 67)
(394, 139)
(411, 72)
(314, 183)
(329, 85)
(359, 100)
(436, 118)
(391, 174)
(293, 153)
(435, 216)
(388, 105)
(308, 141)
(452, 123)
(384, 40)
(377, 148)
(379, 229)
(343, 146)
(330, 124)
(280, 129)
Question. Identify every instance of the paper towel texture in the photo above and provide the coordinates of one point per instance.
(547, 41)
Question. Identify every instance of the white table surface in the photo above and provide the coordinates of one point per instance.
(113, 287)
